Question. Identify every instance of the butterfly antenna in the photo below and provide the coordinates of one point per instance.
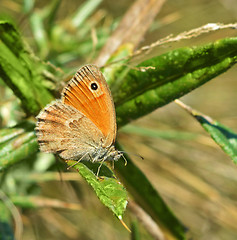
(125, 160)
(137, 155)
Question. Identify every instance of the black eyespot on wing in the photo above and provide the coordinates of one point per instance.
(94, 86)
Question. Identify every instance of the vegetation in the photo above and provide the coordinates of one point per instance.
(141, 80)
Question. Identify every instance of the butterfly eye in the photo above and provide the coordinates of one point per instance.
(94, 86)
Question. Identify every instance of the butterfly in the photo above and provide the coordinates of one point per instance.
(82, 124)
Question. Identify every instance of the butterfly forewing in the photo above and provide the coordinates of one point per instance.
(88, 92)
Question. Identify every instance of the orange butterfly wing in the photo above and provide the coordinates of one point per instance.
(89, 93)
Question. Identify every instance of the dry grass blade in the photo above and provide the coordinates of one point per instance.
(131, 28)
(56, 220)
(55, 203)
(192, 191)
(193, 33)
(210, 27)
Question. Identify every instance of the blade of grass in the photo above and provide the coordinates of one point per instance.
(27, 6)
(84, 12)
(8, 210)
(39, 32)
(157, 133)
(6, 231)
(148, 197)
(17, 143)
(52, 12)
(131, 28)
(135, 231)
(149, 224)
(37, 202)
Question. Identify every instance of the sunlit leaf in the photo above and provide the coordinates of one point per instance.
(107, 187)
(170, 76)
(21, 71)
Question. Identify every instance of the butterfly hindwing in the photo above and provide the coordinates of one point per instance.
(64, 130)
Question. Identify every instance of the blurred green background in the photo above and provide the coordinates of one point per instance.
(194, 176)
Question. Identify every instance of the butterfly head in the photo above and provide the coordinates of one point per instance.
(114, 153)
(106, 154)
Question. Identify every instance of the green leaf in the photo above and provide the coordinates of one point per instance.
(170, 76)
(225, 137)
(16, 144)
(21, 71)
(147, 196)
(222, 135)
(107, 187)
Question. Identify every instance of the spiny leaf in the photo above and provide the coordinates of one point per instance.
(21, 71)
(170, 76)
(107, 187)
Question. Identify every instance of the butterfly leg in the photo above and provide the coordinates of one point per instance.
(98, 170)
(112, 165)
(78, 161)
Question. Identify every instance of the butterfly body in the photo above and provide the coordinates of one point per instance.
(82, 124)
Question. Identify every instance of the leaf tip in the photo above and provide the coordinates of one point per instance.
(123, 223)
